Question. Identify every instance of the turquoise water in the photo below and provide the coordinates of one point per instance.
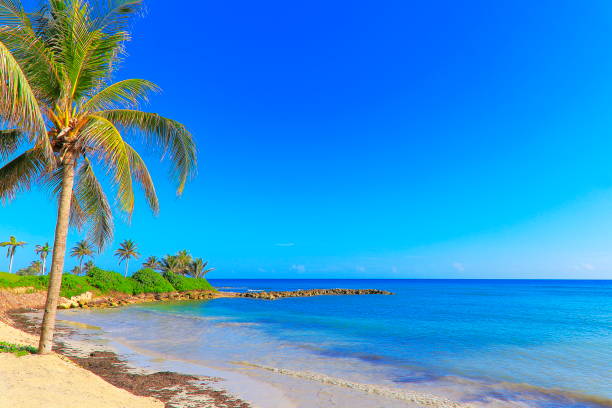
(535, 343)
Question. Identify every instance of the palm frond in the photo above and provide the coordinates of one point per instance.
(95, 206)
(116, 15)
(18, 104)
(105, 141)
(171, 136)
(10, 139)
(19, 174)
(36, 58)
(86, 53)
(127, 93)
(141, 174)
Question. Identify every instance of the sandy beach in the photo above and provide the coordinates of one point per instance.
(54, 381)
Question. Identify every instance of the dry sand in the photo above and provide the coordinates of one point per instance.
(51, 381)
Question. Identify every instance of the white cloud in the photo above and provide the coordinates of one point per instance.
(261, 270)
(394, 269)
(285, 244)
(458, 266)
(360, 268)
(584, 267)
(298, 268)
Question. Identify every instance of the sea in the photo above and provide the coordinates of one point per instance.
(486, 343)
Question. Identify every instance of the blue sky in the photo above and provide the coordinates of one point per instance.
(376, 139)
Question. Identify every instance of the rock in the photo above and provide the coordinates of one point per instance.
(272, 295)
(82, 299)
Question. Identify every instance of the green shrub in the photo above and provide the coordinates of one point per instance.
(73, 285)
(16, 349)
(181, 282)
(150, 281)
(108, 281)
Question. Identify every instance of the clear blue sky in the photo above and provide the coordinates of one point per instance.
(376, 139)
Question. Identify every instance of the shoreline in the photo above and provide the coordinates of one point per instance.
(172, 389)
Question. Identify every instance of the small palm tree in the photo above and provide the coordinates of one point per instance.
(88, 266)
(81, 250)
(198, 268)
(34, 269)
(43, 251)
(127, 250)
(171, 263)
(151, 262)
(65, 117)
(12, 244)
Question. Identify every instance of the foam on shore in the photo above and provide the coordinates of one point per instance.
(408, 396)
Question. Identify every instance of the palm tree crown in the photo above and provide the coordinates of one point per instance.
(65, 117)
(127, 250)
(151, 262)
(57, 65)
(198, 268)
(11, 246)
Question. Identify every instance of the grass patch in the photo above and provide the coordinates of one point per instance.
(16, 349)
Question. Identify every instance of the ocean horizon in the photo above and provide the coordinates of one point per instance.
(486, 342)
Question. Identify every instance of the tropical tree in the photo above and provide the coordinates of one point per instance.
(43, 251)
(198, 268)
(170, 263)
(11, 246)
(179, 263)
(34, 268)
(89, 265)
(64, 117)
(80, 251)
(151, 262)
(127, 250)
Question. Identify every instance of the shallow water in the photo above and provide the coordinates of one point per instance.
(485, 342)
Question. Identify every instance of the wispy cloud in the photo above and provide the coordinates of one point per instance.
(285, 244)
(360, 268)
(298, 268)
(458, 266)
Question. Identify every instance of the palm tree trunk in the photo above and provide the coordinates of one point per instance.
(127, 262)
(11, 264)
(57, 262)
(81, 266)
(44, 265)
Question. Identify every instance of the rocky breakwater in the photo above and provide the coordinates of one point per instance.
(87, 300)
(311, 292)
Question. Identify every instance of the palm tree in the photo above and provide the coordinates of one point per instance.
(58, 100)
(43, 251)
(89, 265)
(127, 250)
(170, 263)
(198, 268)
(34, 269)
(12, 244)
(151, 262)
(81, 250)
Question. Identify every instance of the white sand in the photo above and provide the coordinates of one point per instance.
(51, 381)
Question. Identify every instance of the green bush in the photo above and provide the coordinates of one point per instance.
(73, 285)
(181, 282)
(108, 281)
(150, 281)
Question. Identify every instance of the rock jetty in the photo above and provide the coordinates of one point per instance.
(87, 300)
(311, 292)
